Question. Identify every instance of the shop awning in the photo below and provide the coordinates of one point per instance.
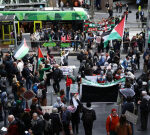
(46, 15)
(7, 17)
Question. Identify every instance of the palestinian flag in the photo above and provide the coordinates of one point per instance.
(40, 56)
(105, 36)
(118, 31)
(22, 50)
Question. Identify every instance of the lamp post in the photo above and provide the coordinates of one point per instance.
(92, 9)
(148, 26)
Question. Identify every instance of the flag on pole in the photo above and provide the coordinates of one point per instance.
(22, 50)
(40, 56)
(105, 36)
(117, 32)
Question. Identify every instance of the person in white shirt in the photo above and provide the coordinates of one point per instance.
(20, 65)
(64, 58)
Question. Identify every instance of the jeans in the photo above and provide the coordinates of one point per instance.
(28, 83)
(88, 128)
(67, 93)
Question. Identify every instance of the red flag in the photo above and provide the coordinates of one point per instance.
(40, 55)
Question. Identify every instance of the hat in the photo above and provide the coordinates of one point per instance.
(113, 110)
(27, 110)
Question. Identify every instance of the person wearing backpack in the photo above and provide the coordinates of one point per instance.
(57, 76)
(144, 110)
(47, 124)
(88, 117)
(55, 121)
(111, 122)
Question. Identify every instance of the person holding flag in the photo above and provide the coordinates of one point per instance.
(40, 65)
(117, 32)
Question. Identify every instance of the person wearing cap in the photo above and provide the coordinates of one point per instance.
(144, 110)
(111, 122)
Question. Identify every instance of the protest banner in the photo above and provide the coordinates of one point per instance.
(95, 92)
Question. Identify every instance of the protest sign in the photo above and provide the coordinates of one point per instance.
(28, 95)
(74, 88)
(47, 109)
(131, 117)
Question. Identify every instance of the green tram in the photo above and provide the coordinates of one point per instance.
(30, 21)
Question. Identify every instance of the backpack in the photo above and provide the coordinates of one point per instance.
(55, 121)
(88, 117)
(48, 126)
(21, 126)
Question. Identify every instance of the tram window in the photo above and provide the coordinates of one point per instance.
(6, 29)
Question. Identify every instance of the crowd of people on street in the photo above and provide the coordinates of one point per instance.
(24, 82)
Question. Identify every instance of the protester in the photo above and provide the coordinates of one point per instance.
(144, 110)
(123, 128)
(88, 117)
(66, 117)
(37, 125)
(111, 122)
(13, 128)
(57, 76)
(55, 122)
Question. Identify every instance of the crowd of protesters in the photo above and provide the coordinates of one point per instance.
(20, 117)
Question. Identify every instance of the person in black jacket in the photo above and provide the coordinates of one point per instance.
(55, 121)
(26, 73)
(75, 119)
(57, 76)
(88, 117)
(37, 125)
(144, 110)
